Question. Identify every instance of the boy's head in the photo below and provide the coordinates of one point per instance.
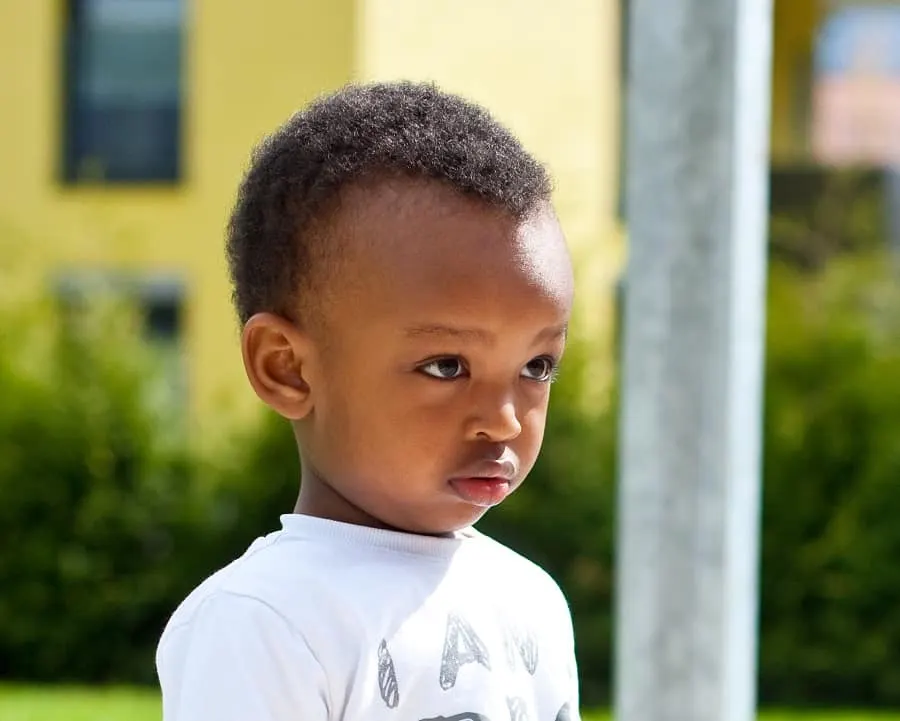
(404, 288)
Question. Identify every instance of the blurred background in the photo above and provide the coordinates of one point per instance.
(134, 458)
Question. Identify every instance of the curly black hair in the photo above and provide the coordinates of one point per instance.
(357, 133)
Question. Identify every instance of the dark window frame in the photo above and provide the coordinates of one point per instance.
(160, 300)
(74, 158)
(154, 294)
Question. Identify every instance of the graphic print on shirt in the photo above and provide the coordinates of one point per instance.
(387, 677)
(518, 709)
(563, 715)
(461, 646)
(523, 643)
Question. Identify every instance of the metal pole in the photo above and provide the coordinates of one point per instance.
(689, 497)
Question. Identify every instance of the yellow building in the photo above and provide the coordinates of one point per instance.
(126, 125)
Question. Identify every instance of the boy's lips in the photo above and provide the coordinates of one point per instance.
(483, 492)
(485, 484)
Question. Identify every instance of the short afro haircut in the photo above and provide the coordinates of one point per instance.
(359, 133)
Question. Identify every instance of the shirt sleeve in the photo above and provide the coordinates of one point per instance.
(238, 659)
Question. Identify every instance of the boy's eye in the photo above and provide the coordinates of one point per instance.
(541, 369)
(444, 368)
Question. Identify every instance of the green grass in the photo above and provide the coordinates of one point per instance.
(61, 703)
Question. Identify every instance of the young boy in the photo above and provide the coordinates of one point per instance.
(404, 289)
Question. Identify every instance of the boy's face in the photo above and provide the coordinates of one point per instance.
(428, 378)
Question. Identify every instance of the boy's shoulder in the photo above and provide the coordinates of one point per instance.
(509, 563)
(270, 572)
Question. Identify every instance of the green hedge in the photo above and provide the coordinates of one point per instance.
(94, 501)
(831, 516)
(107, 518)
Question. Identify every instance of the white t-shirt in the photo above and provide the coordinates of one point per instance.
(329, 621)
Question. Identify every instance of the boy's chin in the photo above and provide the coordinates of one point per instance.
(446, 526)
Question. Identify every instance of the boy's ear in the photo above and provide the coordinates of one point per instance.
(276, 354)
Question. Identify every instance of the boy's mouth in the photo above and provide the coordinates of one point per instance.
(482, 492)
(485, 484)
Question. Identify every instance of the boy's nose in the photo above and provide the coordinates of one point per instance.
(495, 420)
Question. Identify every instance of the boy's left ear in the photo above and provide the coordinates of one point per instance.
(276, 358)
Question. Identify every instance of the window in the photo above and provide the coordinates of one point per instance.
(158, 304)
(158, 299)
(123, 85)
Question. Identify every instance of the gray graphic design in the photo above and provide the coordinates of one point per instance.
(509, 644)
(461, 646)
(517, 712)
(528, 650)
(518, 709)
(387, 677)
(522, 645)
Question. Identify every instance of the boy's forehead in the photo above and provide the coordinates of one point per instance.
(423, 228)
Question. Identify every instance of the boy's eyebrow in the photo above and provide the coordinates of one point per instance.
(553, 332)
(437, 329)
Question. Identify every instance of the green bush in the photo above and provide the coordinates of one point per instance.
(94, 501)
(830, 614)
